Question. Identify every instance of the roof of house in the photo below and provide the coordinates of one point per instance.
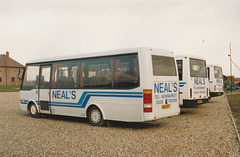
(6, 61)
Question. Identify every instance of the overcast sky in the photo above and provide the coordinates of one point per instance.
(32, 29)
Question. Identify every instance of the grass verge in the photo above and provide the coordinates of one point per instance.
(234, 103)
(9, 88)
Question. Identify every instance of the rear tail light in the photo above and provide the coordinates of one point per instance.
(147, 100)
(147, 107)
(147, 96)
(214, 87)
(190, 92)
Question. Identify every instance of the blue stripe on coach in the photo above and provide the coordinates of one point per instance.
(87, 95)
(181, 84)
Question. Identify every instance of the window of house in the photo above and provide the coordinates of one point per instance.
(0, 79)
(13, 79)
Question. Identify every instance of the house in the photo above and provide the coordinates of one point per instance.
(231, 78)
(9, 70)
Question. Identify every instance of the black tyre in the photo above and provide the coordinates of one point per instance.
(33, 111)
(95, 116)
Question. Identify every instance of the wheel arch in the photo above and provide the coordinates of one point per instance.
(30, 103)
(98, 106)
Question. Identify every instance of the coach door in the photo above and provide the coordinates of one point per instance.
(44, 88)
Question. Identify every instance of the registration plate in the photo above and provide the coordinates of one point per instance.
(219, 93)
(165, 107)
(199, 101)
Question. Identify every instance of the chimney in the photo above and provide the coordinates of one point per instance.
(7, 54)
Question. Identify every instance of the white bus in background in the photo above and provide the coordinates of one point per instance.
(132, 85)
(193, 82)
(215, 78)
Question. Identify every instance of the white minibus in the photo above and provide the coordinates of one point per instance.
(215, 78)
(193, 83)
(131, 85)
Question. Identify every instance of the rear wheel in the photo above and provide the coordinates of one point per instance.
(33, 111)
(95, 117)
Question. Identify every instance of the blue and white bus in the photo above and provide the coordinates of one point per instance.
(215, 78)
(193, 82)
(132, 85)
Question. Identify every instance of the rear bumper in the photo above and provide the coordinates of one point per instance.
(214, 94)
(152, 117)
(195, 102)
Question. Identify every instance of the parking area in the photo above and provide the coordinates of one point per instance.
(205, 130)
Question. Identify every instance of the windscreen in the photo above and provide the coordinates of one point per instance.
(163, 66)
(198, 68)
(30, 78)
(218, 72)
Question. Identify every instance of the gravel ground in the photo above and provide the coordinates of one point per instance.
(206, 130)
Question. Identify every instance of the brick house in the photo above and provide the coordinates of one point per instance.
(231, 78)
(9, 69)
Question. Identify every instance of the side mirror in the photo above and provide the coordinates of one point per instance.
(18, 73)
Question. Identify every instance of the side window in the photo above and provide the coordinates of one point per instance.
(198, 68)
(114, 72)
(30, 78)
(218, 72)
(45, 77)
(64, 75)
(180, 69)
(208, 71)
(96, 73)
(126, 72)
(163, 66)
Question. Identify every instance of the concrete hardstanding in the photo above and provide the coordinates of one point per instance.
(205, 130)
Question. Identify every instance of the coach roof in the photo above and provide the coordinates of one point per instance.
(190, 56)
(103, 53)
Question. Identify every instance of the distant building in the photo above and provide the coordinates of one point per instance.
(237, 81)
(231, 78)
(9, 69)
